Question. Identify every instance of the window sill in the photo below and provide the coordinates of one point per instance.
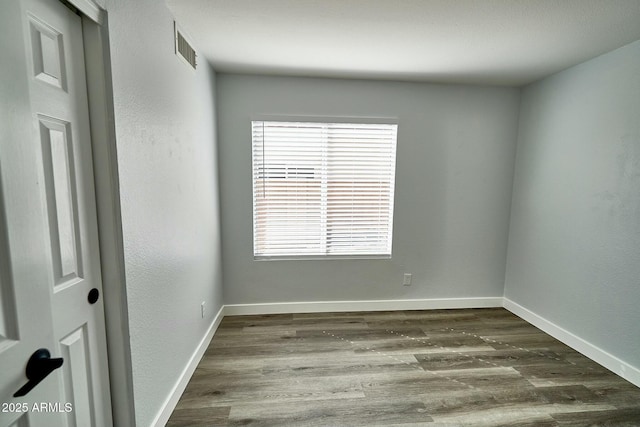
(321, 257)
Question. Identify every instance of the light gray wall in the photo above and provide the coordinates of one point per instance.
(456, 148)
(167, 163)
(574, 244)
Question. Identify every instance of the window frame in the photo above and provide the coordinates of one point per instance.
(325, 120)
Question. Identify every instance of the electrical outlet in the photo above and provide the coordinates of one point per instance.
(202, 309)
(406, 281)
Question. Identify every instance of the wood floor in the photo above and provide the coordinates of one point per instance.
(479, 367)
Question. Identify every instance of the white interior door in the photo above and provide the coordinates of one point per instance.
(50, 280)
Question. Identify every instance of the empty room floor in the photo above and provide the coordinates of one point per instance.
(471, 367)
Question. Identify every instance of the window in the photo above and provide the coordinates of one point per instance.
(322, 189)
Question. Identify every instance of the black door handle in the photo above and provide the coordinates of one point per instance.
(39, 366)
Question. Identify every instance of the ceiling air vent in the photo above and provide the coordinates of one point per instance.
(183, 48)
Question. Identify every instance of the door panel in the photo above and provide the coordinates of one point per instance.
(25, 258)
(57, 153)
(8, 321)
(48, 223)
(47, 49)
(75, 350)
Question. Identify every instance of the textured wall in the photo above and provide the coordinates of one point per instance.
(574, 243)
(165, 129)
(456, 148)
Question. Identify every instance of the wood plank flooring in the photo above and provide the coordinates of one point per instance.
(472, 367)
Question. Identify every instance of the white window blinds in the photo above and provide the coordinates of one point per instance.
(322, 189)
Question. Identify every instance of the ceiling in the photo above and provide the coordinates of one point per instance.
(504, 42)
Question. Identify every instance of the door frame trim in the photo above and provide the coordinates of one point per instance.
(107, 191)
(90, 9)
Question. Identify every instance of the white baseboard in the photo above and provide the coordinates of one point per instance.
(175, 394)
(372, 305)
(621, 368)
(609, 361)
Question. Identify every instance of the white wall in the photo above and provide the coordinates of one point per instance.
(165, 130)
(574, 244)
(456, 149)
